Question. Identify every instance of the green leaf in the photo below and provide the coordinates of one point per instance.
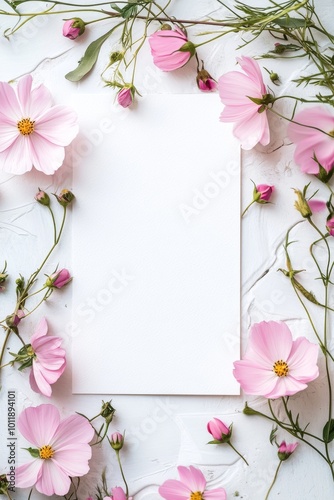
(89, 59)
(328, 432)
(115, 7)
(129, 11)
(292, 22)
(34, 452)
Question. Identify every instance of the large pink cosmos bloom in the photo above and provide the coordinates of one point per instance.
(274, 364)
(62, 448)
(192, 486)
(166, 48)
(49, 361)
(33, 133)
(313, 147)
(235, 90)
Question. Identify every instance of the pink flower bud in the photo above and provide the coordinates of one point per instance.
(204, 80)
(330, 226)
(73, 28)
(171, 49)
(285, 450)
(262, 193)
(58, 279)
(125, 97)
(117, 441)
(219, 431)
(43, 198)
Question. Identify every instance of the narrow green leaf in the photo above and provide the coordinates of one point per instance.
(292, 22)
(328, 432)
(34, 452)
(89, 58)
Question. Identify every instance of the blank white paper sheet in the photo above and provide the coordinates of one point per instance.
(156, 247)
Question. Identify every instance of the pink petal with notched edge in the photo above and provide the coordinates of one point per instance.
(58, 125)
(216, 494)
(269, 341)
(252, 69)
(74, 459)
(26, 475)
(8, 131)
(192, 477)
(74, 429)
(40, 331)
(53, 480)
(39, 424)
(286, 386)
(46, 157)
(302, 360)
(172, 489)
(9, 104)
(316, 205)
(254, 379)
(37, 381)
(16, 158)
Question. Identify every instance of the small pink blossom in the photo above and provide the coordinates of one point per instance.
(218, 430)
(61, 449)
(204, 80)
(192, 481)
(170, 49)
(48, 362)
(73, 28)
(263, 193)
(275, 365)
(314, 148)
(117, 441)
(33, 132)
(330, 226)
(285, 450)
(59, 279)
(238, 91)
(18, 316)
(125, 97)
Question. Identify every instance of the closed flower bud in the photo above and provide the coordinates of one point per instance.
(170, 48)
(73, 28)
(58, 279)
(285, 450)
(301, 204)
(14, 319)
(107, 411)
(117, 441)
(4, 484)
(262, 193)
(330, 225)
(219, 431)
(125, 96)
(65, 197)
(42, 197)
(204, 80)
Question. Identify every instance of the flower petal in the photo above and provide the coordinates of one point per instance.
(302, 361)
(192, 477)
(73, 460)
(52, 480)
(58, 125)
(9, 104)
(33, 102)
(286, 386)
(216, 494)
(41, 330)
(253, 378)
(269, 342)
(73, 429)
(26, 475)
(46, 156)
(172, 489)
(16, 159)
(39, 424)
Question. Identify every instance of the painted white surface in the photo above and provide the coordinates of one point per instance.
(163, 432)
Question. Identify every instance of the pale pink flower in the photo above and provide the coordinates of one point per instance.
(275, 365)
(192, 481)
(117, 493)
(170, 49)
(33, 133)
(125, 97)
(236, 91)
(59, 279)
(285, 450)
(48, 362)
(218, 430)
(73, 28)
(61, 447)
(313, 147)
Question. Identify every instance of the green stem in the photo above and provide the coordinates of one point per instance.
(241, 456)
(122, 473)
(274, 480)
(248, 206)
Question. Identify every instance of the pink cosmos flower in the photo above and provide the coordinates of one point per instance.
(285, 450)
(125, 97)
(313, 147)
(117, 494)
(218, 430)
(73, 28)
(33, 133)
(192, 486)
(170, 49)
(274, 364)
(48, 362)
(236, 91)
(61, 449)
(59, 279)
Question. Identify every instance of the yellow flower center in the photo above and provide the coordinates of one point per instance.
(281, 368)
(197, 495)
(26, 126)
(46, 452)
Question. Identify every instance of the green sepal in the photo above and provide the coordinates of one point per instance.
(34, 452)
(328, 431)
